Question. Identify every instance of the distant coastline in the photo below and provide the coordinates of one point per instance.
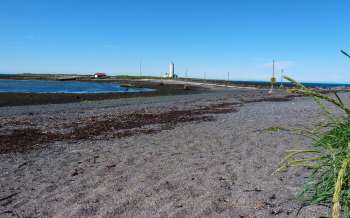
(86, 77)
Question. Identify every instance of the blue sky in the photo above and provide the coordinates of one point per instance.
(114, 36)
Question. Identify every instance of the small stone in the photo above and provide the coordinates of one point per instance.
(273, 197)
(276, 211)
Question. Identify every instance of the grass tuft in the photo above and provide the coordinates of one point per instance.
(329, 180)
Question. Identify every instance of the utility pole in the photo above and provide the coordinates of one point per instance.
(282, 72)
(273, 78)
(205, 76)
(141, 68)
(228, 76)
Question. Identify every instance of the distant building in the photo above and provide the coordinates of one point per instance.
(100, 75)
(171, 70)
(171, 74)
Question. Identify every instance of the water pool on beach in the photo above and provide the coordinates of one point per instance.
(69, 87)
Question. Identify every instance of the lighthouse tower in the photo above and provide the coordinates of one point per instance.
(171, 70)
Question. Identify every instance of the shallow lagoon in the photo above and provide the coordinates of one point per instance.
(73, 87)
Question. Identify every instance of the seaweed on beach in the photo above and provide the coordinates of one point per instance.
(22, 140)
(120, 126)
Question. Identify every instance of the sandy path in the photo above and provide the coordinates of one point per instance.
(202, 84)
(220, 168)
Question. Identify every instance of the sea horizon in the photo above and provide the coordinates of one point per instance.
(319, 84)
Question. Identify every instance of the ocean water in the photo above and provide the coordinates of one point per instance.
(288, 84)
(73, 87)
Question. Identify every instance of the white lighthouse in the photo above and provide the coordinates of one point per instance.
(171, 70)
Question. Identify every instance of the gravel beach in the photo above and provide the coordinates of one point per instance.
(195, 155)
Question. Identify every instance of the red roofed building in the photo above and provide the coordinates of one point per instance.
(100, 75)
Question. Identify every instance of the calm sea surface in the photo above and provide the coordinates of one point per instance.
(287, 84)
(47, 86)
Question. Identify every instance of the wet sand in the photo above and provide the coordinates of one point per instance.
(197, 155)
